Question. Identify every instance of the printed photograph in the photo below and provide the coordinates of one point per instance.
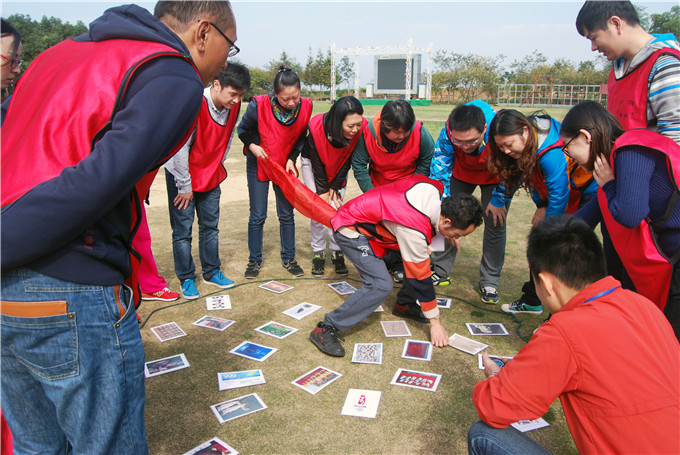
(416, 379)
(466, 345)
(168, 331)
(211, 322)
(275, 286)
(395, 329)
(496, 358)
(444, 303)
(417, 350)
(213, 447)
(488, 328)
(342, 288)
(236, 379)
(301, 310)
(165, 365)
(367, 353)
(361, 403)
(253, 351)
(276, 330)
(238, 407)
(316, 379)
(218, 302)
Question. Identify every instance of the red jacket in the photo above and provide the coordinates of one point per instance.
(205, 159)
(614, 362)
(389, 167)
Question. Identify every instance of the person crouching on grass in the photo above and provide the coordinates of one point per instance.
(402, 216)
(609, 354)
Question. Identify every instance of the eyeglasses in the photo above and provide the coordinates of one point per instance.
(14, 63)
(466, 143)
(565, 147)
(233, 48)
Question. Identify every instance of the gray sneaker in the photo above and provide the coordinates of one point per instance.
(292, 266)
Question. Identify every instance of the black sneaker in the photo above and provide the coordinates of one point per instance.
(292, 266)
(318, 264)
(398, 276)
(409, 311)
(326, 337)
(253, 270)
(339, 263)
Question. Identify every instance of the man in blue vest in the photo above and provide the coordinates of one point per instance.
(73, 150)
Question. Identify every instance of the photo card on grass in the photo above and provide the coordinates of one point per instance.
(495, 358)
(417, 350)
(253, 351)
(218, 302)
(211, 322)
(168, 331)
(395, 328)
(486, 328)
(276, 287)
(165, 365)
(276, 330)
(417, 379)
(361, 403)
(316, 379)
(236, 379)
(215, 445)
(380, 309)
(444, 303)
(342, 288)
(368, 353)
(301, 310)
(466, 345)
(238, 407)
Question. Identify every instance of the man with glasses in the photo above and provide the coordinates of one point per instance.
(91, 117)
(459, 163)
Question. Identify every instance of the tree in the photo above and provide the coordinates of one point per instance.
(39, 36)
(668, 22)
(643, 16)
(286, 61)
(260, 82)
(470, 75)
(345, 71)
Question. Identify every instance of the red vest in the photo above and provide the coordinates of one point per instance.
(386, 203)
(471, 168)
(389, 167)
(537, 177)
(276, 139)
(648, 267)
(94, 87)
(333, 158)
(205, 159)
(628, 96)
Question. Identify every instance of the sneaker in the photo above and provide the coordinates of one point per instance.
(398, 276)
(189, 290)
(218, 279)
(253, 270)
(292, 266)
(409, 311)
(439, 281)
(488, 294)
(326, 337)
(339, 263)
(166, 295)
(518, 306)
(318, 264)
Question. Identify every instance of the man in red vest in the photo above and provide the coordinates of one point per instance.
(607, 353)
(401, 216)
(91, 116)
(643, 83)
(193, 178)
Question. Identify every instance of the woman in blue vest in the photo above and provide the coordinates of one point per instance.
(326, 160)
(273, 127)
(527, 152)
(637, 171)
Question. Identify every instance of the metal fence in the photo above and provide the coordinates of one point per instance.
(547, 95)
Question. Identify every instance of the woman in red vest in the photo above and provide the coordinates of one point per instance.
(273, 128)
(637, 171)
(326, 160)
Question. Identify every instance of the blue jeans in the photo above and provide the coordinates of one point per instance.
(207, 207)
(377, 284)
(259, 196)
(72, 377)
(485, 440)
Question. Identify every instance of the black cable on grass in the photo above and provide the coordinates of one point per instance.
(483, 308)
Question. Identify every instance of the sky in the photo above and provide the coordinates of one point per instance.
(266, 28)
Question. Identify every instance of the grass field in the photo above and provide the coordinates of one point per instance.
(409, 421)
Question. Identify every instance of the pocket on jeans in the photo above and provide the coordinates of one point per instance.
(47, 345)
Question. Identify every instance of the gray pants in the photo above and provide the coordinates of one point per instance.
(377, 284)
(493, 246)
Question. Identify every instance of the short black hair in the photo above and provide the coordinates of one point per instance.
(463, 209)
(397, 114)
(234, 75)
(184, 12)
(286, 77)
(8, 30)
(567, 248)
(343, 107)
(595, 14)
(465, 117)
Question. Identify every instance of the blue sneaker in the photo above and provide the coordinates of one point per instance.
(517, 306)
(189, 290)
(218, 279)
